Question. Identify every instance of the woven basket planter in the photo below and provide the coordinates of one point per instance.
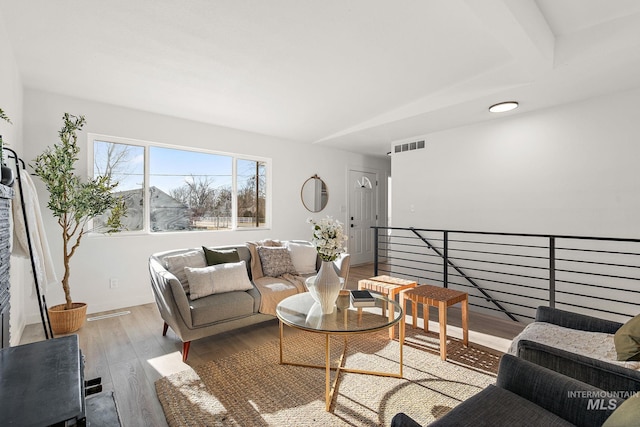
(67, 321)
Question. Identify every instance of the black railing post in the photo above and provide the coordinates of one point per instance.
(552, 271)
(375, 251)
(445, 259)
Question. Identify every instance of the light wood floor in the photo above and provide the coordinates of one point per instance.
(129, 352)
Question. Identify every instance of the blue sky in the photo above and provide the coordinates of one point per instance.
(170, 168)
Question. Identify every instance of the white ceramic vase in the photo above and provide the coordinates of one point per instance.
(326, 287)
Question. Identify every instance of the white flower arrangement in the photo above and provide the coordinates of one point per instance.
(328, 238)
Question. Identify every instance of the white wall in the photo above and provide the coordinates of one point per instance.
(125, 257)
(567, 170)
(11, 103)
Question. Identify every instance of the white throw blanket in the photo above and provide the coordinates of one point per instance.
(275, 289)
(45, 271)
(596, 345)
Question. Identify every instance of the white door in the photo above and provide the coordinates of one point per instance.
(363, 214)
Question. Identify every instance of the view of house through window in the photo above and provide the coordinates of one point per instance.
(187, 190)
(124, 163)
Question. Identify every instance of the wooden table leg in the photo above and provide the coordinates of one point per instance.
(392, 330)
(465, 322)
(414, 313)
(425, 314)
(442, 308)
(401, 332)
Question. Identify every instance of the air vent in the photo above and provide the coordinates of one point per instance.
(408, 146)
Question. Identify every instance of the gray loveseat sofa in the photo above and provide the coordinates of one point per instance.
(526, 394)
(192, 319)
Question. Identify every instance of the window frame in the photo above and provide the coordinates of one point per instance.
(146, 226)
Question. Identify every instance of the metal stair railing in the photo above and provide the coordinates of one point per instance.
(446, 259)
(513, 273)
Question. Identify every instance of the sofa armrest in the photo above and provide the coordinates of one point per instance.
(568, 319)
(566, 397)
(180, 298)
(606, 376)
(343, 263)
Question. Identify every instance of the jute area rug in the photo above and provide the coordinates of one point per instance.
(251, 388)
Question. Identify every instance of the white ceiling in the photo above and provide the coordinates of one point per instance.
(356, 74)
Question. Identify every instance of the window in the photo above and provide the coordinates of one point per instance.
(185, 190)
(251, 195)
(190, 190)
(124, 163)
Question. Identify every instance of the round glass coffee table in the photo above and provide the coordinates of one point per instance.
(300, 311)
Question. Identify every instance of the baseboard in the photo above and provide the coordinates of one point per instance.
(16, 336)
(98, 308)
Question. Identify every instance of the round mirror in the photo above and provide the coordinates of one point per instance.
(314, 194)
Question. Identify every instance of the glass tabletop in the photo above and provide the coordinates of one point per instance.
(301, 311)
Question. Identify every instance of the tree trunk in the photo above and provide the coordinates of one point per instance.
(65, 278)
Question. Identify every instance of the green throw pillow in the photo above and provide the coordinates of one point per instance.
(220, 256)
(627, 340)
(626, 414)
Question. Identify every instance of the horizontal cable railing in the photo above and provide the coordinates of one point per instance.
(510, 274)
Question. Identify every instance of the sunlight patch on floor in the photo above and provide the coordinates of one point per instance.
(168, 364)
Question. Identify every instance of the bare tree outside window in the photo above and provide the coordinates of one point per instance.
(124, 164)
(209, 206)
(252, 191)
(198, 185)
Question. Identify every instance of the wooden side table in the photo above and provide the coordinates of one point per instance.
(389, 286)
(442, 298)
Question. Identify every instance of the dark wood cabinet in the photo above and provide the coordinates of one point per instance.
(6, 194)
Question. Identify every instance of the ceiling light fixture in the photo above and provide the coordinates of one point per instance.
(503, 107)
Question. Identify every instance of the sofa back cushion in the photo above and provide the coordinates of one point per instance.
(304, 256)
(218, 279)
(176, 264)
(220, 256)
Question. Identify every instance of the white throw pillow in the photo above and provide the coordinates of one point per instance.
(175, 264)
(218, 279)
(303, 257)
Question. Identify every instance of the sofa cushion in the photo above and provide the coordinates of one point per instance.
(496, 406)
(303, 257)
(275, 261)
(175, 264)
(256, 265)
(596, 345)
(217, 279)
(221, 308)
(220, 256)
(627, 340)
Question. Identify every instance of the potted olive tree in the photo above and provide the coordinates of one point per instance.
(74, 202)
